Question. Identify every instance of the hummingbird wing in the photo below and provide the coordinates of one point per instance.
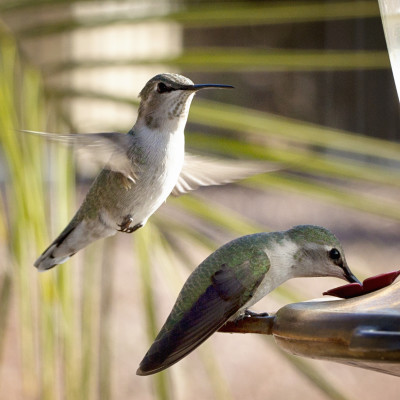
(204, 171)
(108, 148)
(221, 300)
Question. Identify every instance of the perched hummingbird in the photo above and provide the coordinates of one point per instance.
(235, 277)
(142, 168)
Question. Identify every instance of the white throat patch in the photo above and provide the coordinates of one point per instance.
(281, 255)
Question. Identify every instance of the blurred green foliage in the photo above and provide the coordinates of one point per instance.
(63, 320)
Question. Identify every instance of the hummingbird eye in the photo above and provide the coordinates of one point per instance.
(334, 254)
(163, 88)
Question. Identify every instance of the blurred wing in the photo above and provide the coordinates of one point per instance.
(203, 171)
(109, 149)
(222, 299)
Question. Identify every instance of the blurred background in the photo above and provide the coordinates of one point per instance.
(314, 92)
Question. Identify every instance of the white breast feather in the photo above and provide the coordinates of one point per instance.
(165, 154)
(281, 256)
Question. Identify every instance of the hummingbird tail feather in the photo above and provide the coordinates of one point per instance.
(76, 236)
(49, 258)
(213, 308)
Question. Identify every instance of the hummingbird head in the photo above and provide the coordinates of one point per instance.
(319, 253)
(166, 99)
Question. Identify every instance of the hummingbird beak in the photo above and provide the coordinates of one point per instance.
(207, 86)
(349, 275)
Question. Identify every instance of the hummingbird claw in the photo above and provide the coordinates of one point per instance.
(248, 313)
(127, 182)
(134, 228)
(125, 225)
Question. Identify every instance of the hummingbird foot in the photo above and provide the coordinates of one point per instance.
(248, 313)
(127, 182)
(125, 225)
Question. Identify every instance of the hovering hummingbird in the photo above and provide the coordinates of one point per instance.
(142, 168)
(235, 277)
